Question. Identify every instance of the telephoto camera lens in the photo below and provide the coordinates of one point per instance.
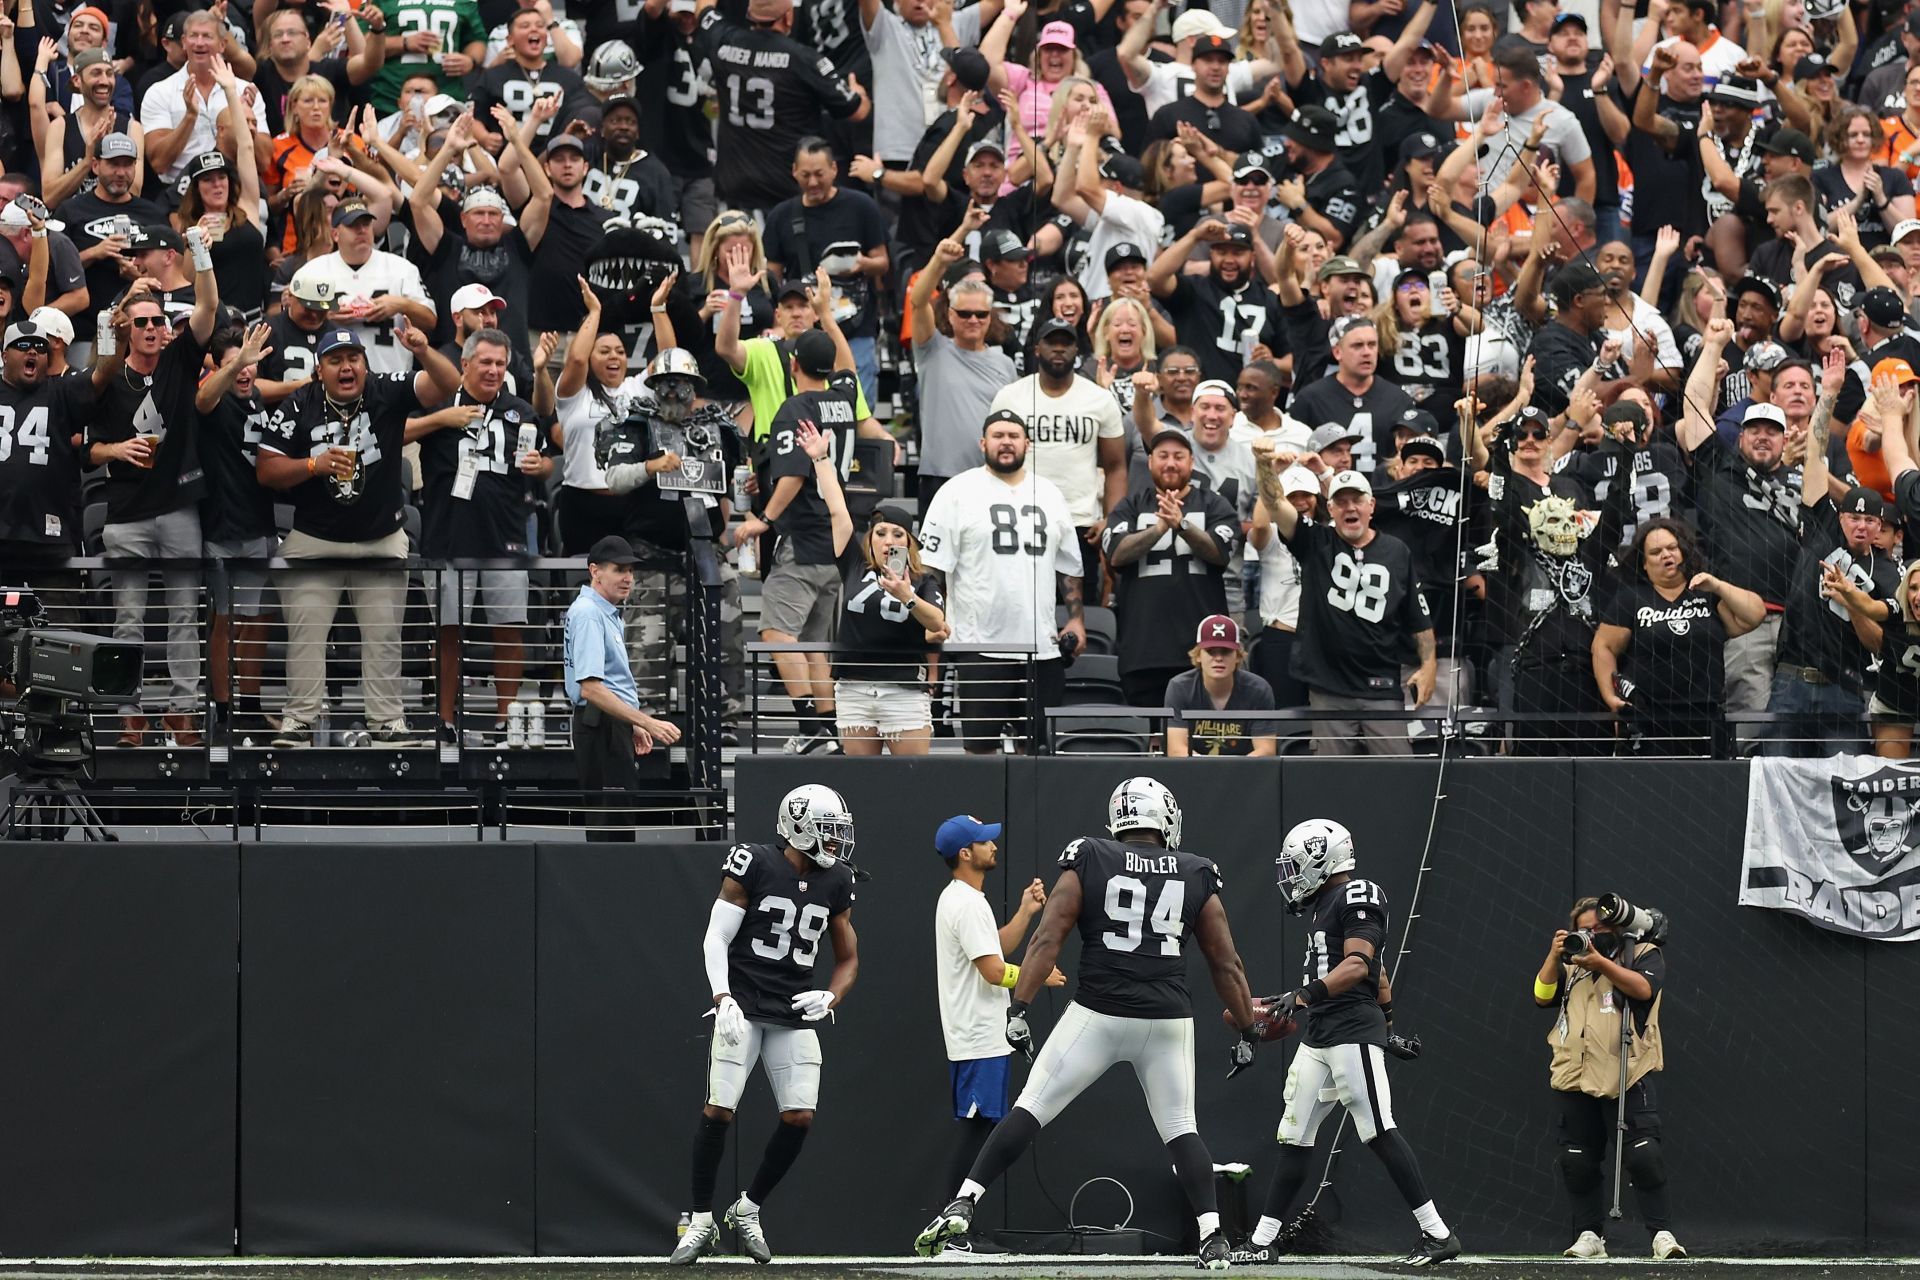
(1576, 944)
(1624, 916)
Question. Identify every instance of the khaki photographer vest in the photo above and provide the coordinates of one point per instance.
(1585, 1038)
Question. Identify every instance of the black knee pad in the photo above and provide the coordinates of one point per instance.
(1645, 1164)
(1580, 1166)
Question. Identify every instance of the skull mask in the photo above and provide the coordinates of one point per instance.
(1555, 529)
(673, 396)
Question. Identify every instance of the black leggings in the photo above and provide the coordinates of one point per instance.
(1586, 1127)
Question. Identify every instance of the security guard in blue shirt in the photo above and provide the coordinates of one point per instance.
(609, 729)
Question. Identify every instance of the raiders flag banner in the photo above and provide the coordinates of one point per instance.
(1833, 841)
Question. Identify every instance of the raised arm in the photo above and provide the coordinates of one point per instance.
(573, 373)
(1703, 387)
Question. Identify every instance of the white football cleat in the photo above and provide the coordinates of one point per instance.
(701, 1238)
(746, 1225)
(1589, 1245)
(1665, 1246)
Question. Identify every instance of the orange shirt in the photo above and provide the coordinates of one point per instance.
(288, 160)
(1869, 465)
(1899, 137)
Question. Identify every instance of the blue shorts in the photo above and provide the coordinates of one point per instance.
(980, 1087)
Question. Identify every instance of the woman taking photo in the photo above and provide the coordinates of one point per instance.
(1659, 655)
(890, 632)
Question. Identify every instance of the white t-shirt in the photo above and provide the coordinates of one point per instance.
(1315, 20)
(1564, 136)
(1648, 320)
(1168, 82)
(1000, 546)
(581, 416)
(1279, 583)
(165, 106)
(1122, 220)
(1718, 57)
(1066, 431)
(383, 273)
(973, 1015)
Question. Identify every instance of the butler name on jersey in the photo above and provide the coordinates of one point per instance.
(1138, 906)
(771, 959)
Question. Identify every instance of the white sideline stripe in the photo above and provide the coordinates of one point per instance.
(1059, 1262)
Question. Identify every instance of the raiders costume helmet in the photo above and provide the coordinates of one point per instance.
(674, 380)
(816, 821)
(1144, 804)
(612, 65)
(1313, 851)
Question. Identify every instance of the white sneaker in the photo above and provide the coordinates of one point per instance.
(1589, 1245)
(747, 1227)
(701, 1238)
(1665, 1246)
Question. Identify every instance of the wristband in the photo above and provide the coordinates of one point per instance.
(41, 234)
(1386, 1007)
(1545, 991)
(1313, 992)
(1010, 976)
(659, 311)
(736, 295)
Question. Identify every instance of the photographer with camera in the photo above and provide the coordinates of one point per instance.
(1609, 952)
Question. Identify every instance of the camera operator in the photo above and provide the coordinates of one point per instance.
(1592, 964)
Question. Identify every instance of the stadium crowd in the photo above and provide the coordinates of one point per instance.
(1315, 338)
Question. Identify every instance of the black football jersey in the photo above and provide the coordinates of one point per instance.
(772, 957)
(39, 465)
(1352, 909)
(1360, 608)
(1138, 906)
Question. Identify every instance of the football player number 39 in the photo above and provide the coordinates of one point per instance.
(795, 930)
(1127, 907)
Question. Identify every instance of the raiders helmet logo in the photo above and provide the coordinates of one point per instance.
(1316, 847)
(1878, 817)
(797, 808)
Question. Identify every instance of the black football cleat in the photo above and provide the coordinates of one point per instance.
(1433, 1250)
(950, 1223)
(1215, 1253)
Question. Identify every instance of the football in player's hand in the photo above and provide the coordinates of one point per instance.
(1270, 1019)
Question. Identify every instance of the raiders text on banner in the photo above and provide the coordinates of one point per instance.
(1833, 841)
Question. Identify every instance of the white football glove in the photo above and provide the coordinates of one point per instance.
(729, 1023)
(813, 1005)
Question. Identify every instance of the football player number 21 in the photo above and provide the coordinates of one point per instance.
(1127, 907)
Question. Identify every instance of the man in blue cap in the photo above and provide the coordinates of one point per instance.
(974, 979)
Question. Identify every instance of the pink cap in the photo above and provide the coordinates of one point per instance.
(1058, 33)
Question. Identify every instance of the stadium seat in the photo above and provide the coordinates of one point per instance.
(1117, 735)
(1093, 679)
(1103, 629)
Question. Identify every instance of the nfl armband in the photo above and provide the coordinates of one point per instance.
(1545, 991)
(1314, 992)
(1010, 976)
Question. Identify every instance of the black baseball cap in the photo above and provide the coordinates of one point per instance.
(1124, 252)
(1754, 284)
(1576, 277)
(1051, 327)
(814, 354)
(351, 211)
(612, 549)
(1567, 17)
(969, 66)
(1862, 500)
(1170, 433)
(157, 236)
(791, 287)
(1239, 236)
(1418, 421)
(1427, 444)
(1883, 307)
(1422, 145)
(1788, 142)
(1250, 163)
(1001, 245)
(1125, 170)
(1813, 64)
(1003, 415)
(1312, 126)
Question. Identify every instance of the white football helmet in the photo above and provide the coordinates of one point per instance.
(1144, 804)
(816, 821)
(1312, 852)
